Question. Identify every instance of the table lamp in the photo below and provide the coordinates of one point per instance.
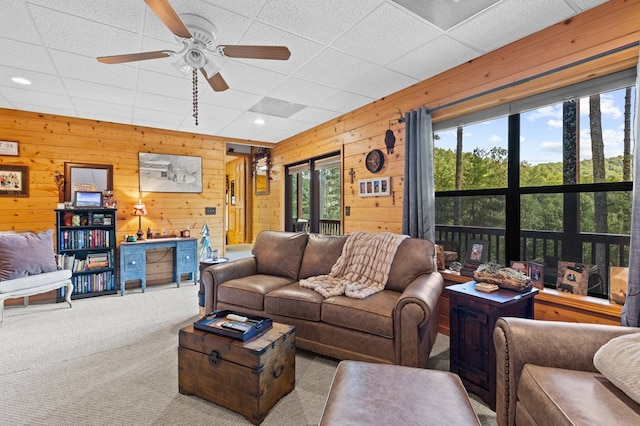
(139, 210)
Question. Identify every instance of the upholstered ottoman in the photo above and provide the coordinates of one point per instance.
(365, 393)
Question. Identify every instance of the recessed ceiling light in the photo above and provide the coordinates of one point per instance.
(259, 121)
(20, 80)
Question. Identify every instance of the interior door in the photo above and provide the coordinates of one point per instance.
(236, 199)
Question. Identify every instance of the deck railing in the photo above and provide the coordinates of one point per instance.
(543, 246)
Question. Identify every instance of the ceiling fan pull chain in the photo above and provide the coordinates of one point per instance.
(195, 94)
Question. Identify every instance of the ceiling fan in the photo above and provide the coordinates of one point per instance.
(197, 36)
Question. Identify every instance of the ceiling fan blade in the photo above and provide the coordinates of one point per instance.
(131, 57)
(216, 81)
(256, 52)
(168, 15)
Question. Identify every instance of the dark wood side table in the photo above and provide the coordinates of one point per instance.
(204, 264)
(473, 316)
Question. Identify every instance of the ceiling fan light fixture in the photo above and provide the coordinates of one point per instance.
(195, 58)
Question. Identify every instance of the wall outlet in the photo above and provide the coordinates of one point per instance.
(209, 210)
(347, 210)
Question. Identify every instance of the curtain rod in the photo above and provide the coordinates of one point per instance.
(535, 77)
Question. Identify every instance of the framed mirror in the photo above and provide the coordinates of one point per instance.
(86, 177)
(261, 169)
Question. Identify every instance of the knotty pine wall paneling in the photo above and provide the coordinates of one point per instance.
(609, 26)
(46, 142)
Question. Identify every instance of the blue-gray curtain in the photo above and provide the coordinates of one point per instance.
(631, 309)
(418, 209)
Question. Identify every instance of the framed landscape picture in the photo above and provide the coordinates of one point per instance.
(170, 173)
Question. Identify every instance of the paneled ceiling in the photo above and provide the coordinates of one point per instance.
(344, 54)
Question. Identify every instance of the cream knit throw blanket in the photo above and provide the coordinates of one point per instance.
(363, 267)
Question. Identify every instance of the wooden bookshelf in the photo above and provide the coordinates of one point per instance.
(87, 247)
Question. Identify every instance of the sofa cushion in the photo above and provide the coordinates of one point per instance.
(619, 361)
(26, 253)
(414, 257)
(555, 396)
(33, 281)
(295, 302)
(373, 314)
(320, 254)
(279, 253)
(249, 291)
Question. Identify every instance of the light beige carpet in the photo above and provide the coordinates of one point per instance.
(112, 360)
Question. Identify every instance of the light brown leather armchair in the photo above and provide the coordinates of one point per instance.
(545, 374)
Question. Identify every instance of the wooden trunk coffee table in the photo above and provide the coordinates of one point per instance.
(247, 377)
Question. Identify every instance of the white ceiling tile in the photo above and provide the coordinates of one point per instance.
(276, 135)
(319, 20)
(45, 109)
(218, 113)
(240, 131)
(157, 102)
(247, 119)
(99, 108)
(301, 91)
(40, 82)
(381, 83)
(81, 36)
(587, 4)
(433, 58)
(39, 99)
(165, 120)
(251, 79)
(24, 55)
(335, 69)
(515, 19)
(125, 14)
(99, 92)
(389, 40)
(301, 49)
(162, 84)
(17, 24)
(315, 115)
(86, 68)
(343, 101)
(232, 98)
(249, 8)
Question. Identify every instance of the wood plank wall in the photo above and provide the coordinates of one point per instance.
(606, 27)
(46, 142)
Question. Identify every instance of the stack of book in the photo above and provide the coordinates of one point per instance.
(97, 260)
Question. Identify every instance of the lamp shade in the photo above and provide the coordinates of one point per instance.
(139, 209)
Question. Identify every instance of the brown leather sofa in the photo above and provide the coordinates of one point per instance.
(397, 325)
(545, 375)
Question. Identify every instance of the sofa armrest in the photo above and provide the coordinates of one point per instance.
(215, 275)
(566, 345)
(415, 319)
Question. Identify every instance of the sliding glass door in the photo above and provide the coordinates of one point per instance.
(313, 195)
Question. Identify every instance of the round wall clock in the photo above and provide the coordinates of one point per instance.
(375, 161)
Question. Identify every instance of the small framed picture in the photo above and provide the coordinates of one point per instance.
(8, 148)
(477, 251)
(374, 187)
(520, 266)
(536, 273)
(14, 181)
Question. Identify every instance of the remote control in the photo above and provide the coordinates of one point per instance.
(235, 326)
(236, 317)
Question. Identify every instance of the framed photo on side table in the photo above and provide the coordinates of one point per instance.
(536, 273)
(477, 252)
